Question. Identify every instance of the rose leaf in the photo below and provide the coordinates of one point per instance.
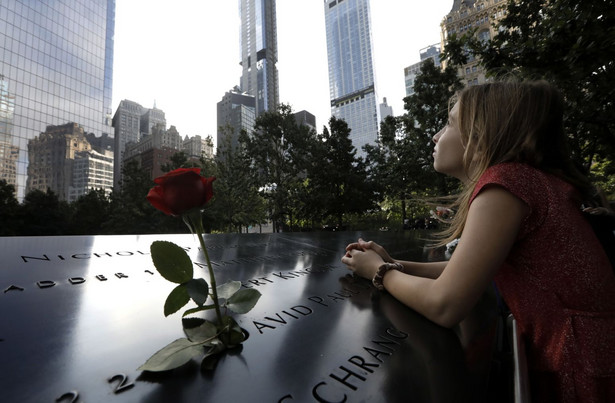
(176, 299)
(171, 261)
(172, 356)
(206, 332)
(198, 309)
(227, 289)
(198, 290)
(243, 300)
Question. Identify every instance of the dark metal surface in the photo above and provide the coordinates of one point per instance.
(77, 312)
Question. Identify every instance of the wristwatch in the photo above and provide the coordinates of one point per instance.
(382, 270)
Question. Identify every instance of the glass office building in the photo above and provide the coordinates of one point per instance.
(352, 87)
(259, 53)
(56, 65)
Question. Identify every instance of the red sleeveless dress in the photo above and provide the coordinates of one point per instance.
(560, 287)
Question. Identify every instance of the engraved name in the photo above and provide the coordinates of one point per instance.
(349, 377)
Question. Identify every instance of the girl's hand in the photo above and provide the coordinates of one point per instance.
(363, 263)
(363, 246)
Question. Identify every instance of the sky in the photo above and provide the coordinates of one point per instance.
(182, 56)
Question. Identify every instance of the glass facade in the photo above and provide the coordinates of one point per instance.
(56, 61)
(259, 52)
(352, 86)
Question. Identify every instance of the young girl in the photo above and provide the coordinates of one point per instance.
(519, 222)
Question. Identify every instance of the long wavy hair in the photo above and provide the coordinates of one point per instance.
(511, 121)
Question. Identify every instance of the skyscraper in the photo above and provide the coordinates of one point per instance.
(91, 170)
(431, 52)
(385, 109)
(197, 147)
(152, 152)
(236, 110)
(56, 63)
(352, 87)
(305, 118)
(132, 122)
(259, 53)
(8, 151)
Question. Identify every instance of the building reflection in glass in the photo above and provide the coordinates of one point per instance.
(8, 152)
(55, 69)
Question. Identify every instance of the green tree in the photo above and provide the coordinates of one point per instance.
(570, 44)
(237, 203)
(603, 171)
(43, 213)
(401, 162)
(277, 153)
(426, 114)
(89, 212)
(309, 204)
(177, 160)
(338, 178)
(386, 166)
(8, 209)
(131, 213)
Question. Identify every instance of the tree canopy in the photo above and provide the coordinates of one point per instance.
(401, 162)
(568, 43)
(237, 202)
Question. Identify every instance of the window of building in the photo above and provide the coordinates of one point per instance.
(484, 35)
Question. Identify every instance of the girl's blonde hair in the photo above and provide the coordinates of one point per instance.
(511, 121)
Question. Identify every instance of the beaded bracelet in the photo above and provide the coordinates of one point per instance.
(382, 270)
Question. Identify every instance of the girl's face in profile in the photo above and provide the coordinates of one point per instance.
(449, 149)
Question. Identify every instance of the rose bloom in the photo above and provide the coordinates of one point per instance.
(181, 190)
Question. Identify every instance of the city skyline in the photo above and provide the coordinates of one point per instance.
(177, 52)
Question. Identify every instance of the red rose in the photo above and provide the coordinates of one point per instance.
(181, 190)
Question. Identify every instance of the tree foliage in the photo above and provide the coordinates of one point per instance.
(426, 114)
(338, 185)
(401, 162)
(237, 202)
(8, 209)
(89, 212)
(177, 160)
(568, 43)
(42, 213)
(131, 213)
(276, 148)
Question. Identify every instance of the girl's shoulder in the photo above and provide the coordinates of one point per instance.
(514, 176)
(530, 185)
(511, 171)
